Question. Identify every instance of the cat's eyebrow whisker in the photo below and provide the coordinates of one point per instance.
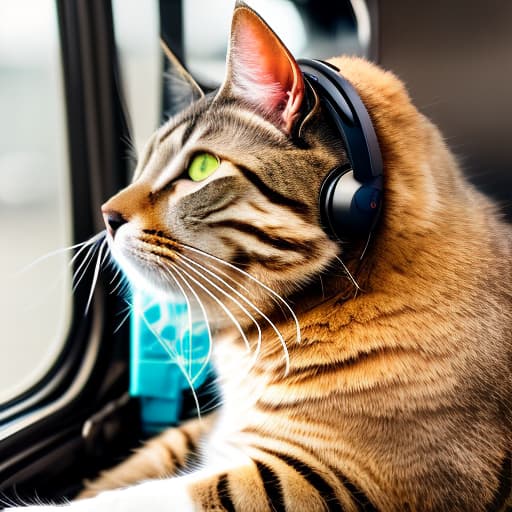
(131, 153)
(252, 278)
(205, 315)
(99, 261)
(173, 356)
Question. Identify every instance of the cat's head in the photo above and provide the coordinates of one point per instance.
(235, 175)
(233, 180)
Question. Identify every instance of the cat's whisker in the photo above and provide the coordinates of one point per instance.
(60, 278)
(217, 270)
(117, 272)
(223, 292)
(84, 265)
(349, 275)
(107, 253)
(214, 403)
(123, 320)
(252, 278)
(249, 315)
(77, 254)
(265, 317)
(88, 244)
(205, 315)
(99, 261)
(6, 500)
(229, 314)
(173, 356)
(121, 281)
(56, 252)
(189, 319)
(322, 287)
(116, 275)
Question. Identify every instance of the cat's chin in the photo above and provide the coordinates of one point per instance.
(146, 277)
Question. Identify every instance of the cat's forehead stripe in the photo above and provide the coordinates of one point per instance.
(231, 116)
(171, 129)
(187, 116)
(170, 162)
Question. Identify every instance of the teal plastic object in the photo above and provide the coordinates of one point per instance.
(165, 359)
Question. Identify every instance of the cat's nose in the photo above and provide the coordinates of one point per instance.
(113, 220)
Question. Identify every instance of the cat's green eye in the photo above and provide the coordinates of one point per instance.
(202, 166)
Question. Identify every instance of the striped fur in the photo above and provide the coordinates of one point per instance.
(396, 397)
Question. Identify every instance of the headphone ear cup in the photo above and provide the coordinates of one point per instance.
(348, 208)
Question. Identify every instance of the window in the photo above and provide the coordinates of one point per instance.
(137, 27)
(35, 302)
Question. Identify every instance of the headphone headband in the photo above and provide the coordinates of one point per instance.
(352, 118)
(350, 196)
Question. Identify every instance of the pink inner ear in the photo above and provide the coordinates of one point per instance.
(264, 72)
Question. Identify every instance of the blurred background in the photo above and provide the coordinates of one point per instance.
(34, 195)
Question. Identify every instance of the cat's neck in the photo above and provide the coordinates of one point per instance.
(344, 279)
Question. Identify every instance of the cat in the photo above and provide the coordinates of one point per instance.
(396, 393)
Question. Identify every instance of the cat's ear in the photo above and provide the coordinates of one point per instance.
(183, 89)
(261, 71)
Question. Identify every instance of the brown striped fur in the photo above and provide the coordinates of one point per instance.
(397, 397)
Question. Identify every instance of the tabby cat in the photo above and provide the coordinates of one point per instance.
(396, 393)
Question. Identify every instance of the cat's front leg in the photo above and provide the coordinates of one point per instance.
(252, 481)
(160, 457)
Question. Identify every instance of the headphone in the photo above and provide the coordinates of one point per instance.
(351, 195)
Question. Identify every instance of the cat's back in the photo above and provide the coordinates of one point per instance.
(430, 342)
(443, 253)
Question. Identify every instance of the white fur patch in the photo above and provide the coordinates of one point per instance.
(156, 495)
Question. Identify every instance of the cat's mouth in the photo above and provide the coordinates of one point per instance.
(155, 263)
(144, 264)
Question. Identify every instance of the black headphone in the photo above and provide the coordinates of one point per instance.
(350, 195)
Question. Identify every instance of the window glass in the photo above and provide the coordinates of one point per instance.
(310, 29)
(35, 302)
(137, 33)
